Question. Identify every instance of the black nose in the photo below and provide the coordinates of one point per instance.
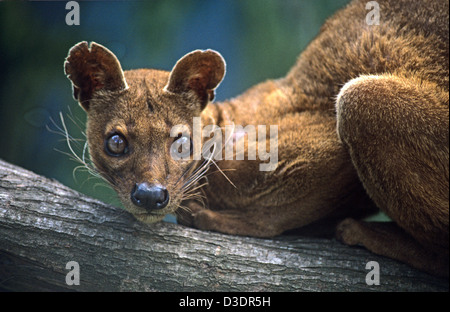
(149, 196)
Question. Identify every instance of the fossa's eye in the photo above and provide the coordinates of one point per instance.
(116, 145)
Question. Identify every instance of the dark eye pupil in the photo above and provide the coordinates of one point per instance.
(116, 145)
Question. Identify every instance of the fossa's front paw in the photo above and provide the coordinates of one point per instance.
(186, 215)
(349, 232)
(204, 219)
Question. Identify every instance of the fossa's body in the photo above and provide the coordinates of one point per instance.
(363, 121)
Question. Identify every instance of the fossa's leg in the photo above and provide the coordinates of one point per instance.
(396, 131)
(224, 221)
(314, 179)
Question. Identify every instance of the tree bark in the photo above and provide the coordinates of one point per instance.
(44, 225)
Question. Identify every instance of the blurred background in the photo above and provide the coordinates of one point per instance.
(259, 39)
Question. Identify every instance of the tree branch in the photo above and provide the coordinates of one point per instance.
(44, 225)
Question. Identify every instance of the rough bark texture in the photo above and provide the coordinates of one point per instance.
(44, 225)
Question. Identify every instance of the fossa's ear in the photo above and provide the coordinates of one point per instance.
(91, 69)
(197, 73)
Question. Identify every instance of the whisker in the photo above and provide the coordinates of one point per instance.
(185, 208)
(193, 196)
(196, 188)
(185, 172)
(60, 131)
(198, 173)
(224, 170)
(201, 167)
(192, 180)
(68, 140)
(83, 160)
(78, 123)
(190, 186)
(221, 171)
(191, 189)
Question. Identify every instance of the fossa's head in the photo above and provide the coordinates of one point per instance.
(130, 117)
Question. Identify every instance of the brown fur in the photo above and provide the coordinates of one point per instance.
(385, 87)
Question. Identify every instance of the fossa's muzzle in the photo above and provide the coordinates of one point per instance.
(149, 196)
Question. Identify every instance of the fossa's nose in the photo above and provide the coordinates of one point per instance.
(149, 196)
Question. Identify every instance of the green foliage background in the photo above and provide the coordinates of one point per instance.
(259, 39)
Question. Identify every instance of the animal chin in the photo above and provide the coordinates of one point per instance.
(149, 217)
(142, 215)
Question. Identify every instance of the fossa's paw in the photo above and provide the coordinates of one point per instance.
(204, 219)
(186, 215)
(349, 232)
